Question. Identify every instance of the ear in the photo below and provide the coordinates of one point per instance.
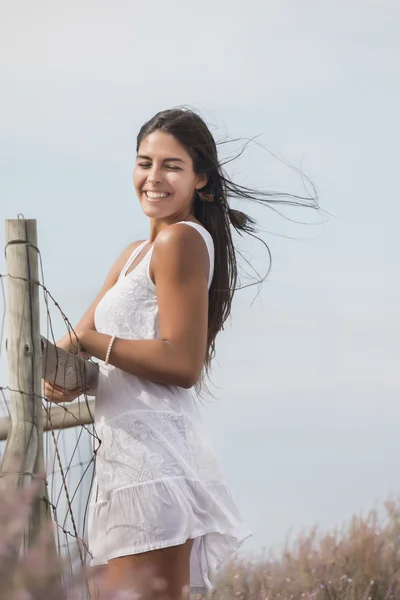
(202, 180)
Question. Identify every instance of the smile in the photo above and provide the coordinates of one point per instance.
(156, 195)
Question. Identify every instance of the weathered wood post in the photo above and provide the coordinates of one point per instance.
(23, 459)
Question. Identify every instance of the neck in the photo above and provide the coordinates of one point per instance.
(157, 225)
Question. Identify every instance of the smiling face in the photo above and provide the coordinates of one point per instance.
(164, 179)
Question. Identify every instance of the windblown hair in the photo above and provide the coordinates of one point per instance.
(217, 217)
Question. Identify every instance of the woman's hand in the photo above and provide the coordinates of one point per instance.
(56, 394)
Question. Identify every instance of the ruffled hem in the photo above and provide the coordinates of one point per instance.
(167, 513)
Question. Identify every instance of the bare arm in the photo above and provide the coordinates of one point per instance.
(180, 266)
(68, 341)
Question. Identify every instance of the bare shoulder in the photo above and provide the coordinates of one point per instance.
(180, 247)
(178, 235)
(181, 239)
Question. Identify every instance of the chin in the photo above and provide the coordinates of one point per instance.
(155, 212)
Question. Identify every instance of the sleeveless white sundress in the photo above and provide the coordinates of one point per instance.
(157, 481)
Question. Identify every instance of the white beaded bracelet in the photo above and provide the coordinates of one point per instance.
(109, 349)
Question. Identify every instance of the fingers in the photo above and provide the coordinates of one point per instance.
(56, 394)
(52, 394)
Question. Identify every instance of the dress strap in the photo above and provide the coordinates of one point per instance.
(131, 259)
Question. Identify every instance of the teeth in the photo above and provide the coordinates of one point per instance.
(155, 195)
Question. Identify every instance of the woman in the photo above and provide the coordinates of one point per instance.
(159, 498)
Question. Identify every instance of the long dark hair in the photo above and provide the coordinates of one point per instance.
(216, 216)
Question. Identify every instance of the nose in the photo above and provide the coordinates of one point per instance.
(153, 176)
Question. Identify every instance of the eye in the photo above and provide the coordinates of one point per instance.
(173, 168)
(144, 165)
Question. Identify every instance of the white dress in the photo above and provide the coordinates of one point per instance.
(157, 481)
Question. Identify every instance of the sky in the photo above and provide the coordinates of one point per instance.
(305, 415)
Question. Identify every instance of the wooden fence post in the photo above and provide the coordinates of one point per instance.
(23, 459)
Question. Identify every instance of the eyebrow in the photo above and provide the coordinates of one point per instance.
(170, 159)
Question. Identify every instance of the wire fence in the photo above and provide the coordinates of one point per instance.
(69, 444)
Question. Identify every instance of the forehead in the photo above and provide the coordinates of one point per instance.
(162, 145)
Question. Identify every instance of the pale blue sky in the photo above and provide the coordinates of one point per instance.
(306, 424)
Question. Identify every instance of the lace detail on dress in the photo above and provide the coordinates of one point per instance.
(130, 308)
(146, 446)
